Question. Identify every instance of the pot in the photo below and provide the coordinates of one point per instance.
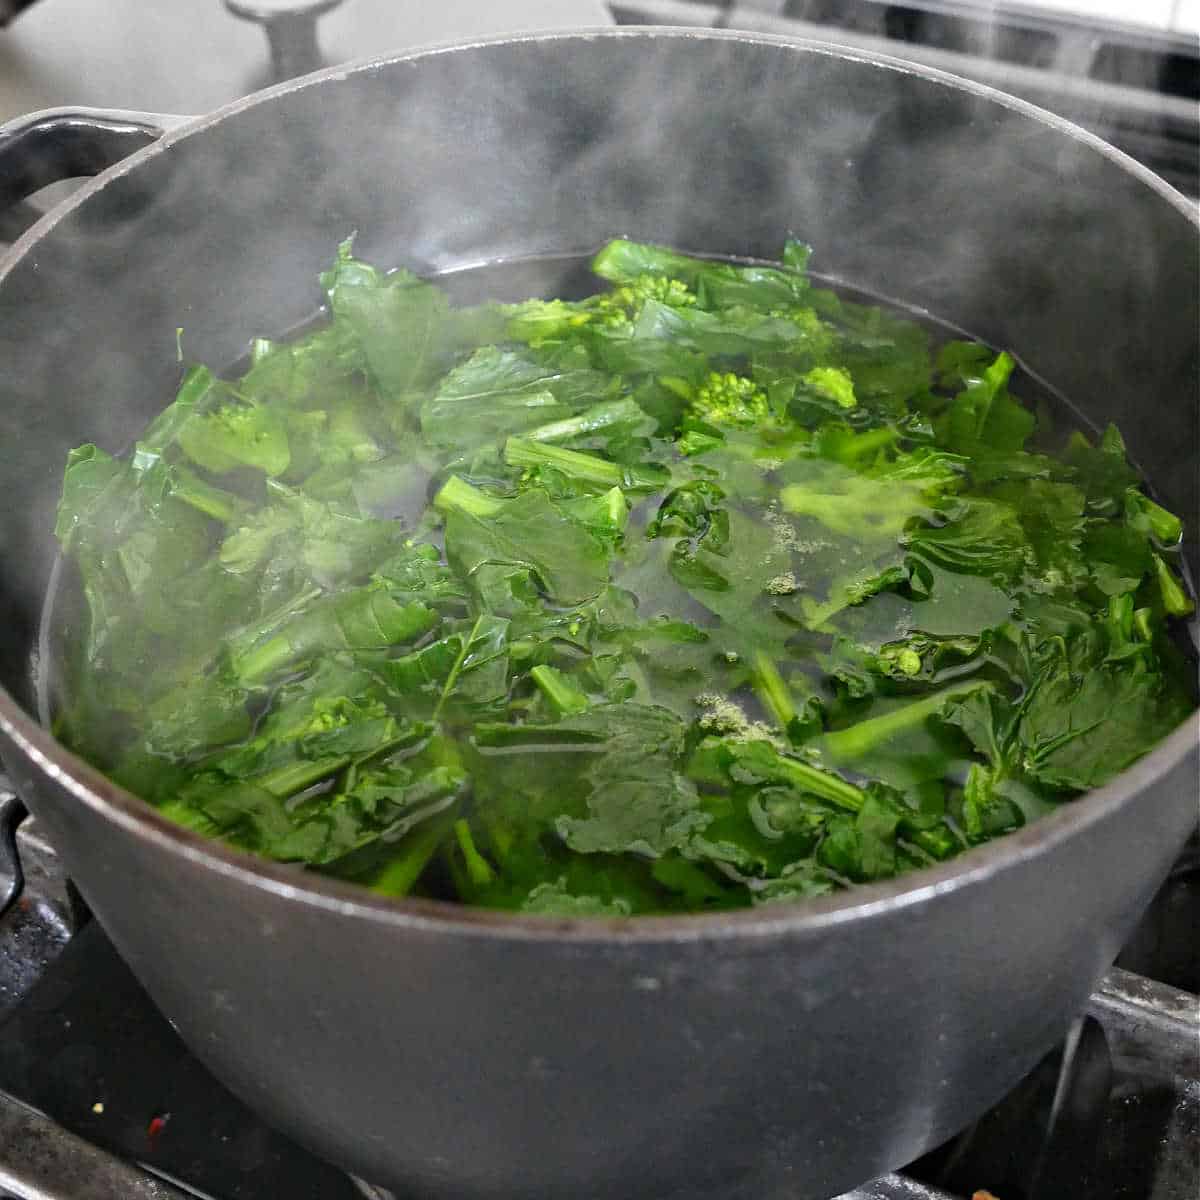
(450, 1052)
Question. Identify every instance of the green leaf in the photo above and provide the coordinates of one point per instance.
(1083, 722)
(628, 748)
(986, 812)
(1102, 471)
(640, 810)
(1118, 555)
(530, 531)
(554, 900)
(622, 261)
(400, 322)
(90, 480)
(367, 618)
(959, 606)
(984, 418)
(492, 394)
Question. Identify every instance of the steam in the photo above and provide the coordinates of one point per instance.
(957, 204)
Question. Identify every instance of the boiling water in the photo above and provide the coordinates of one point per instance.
(567, 277)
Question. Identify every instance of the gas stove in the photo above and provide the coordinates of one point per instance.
(99, 1098)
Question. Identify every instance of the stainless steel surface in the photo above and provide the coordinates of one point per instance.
(1154, 1035)
(896, 1187)
(1177, 1173)
(778, 1054)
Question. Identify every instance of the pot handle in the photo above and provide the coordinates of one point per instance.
(44, 147)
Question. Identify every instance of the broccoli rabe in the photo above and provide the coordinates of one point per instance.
(710, 589)
(237, 435)
(832, 382)
(539, 322)
(622, 305)
(818, 337)
(726, 399)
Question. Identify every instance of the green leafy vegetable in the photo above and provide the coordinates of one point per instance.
(711, 589)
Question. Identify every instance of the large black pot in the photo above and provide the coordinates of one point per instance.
(461, 1053)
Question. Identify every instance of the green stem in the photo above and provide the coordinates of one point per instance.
(452, 677)
(1143, 620)
(214, 502)
(845, 745)
(366, 618)
(1165, 525)
(478, 868)
(521, 452)
(295, 777)
(189, 818)
(820, 783)
(773, 690)
(399, 875)
(243, 642)
(871, 440)
(601, 416)
(817, 615)
(564, 697)
(1175, 600)
(264, 660)
(847, 592)
(457, 493)
(164, 429)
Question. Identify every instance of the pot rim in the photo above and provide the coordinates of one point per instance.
(141, 820)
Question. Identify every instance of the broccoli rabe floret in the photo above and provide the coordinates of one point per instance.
(833, 383)
(820, 338)
(622, 305)
(726, 399)
(538, 321)
(237, 435)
